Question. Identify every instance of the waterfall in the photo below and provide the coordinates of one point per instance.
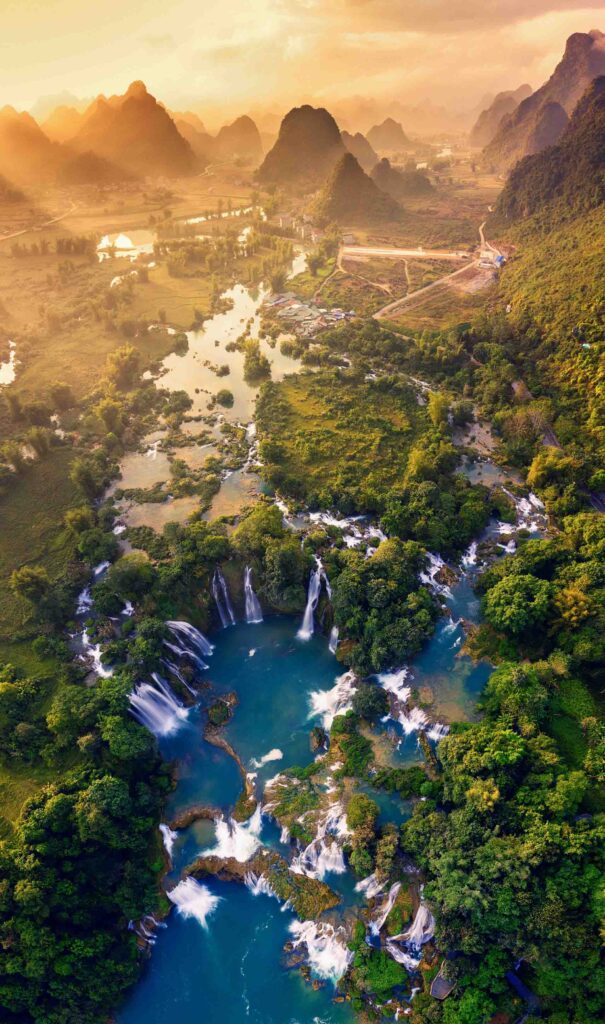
(328, 955)
(259, 885)
(394, 682)
(237, 840)
(306, 630)
(385, 909)
(176, 672)
(192, 899)
(169, 838)
(370, 886)
(329, 703)
(193, 644)
(413, 720)
(320, 857)
(405, 959)
(254, 612)
(84, 601)
(333, 639)
(157, 708)
(223, 601)
(93, 651)
(421, 930)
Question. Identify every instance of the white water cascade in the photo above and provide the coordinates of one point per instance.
(169, 838)
(385, 909)
(308, 625)
(157, 708)
(259, 885)
(237, 840)
(333, 644)
(192, 899)
(321, 857)
(328, 955)
(254, 612)
(326, 704)
(192, 643)
(421, 930)
(370, 886)
(223, 601)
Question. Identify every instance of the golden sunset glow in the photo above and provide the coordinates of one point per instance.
(225, 56)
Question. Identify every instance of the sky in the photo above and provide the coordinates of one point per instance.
(225, 57)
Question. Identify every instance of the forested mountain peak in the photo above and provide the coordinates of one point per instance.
(530, 127)
(573, 171)
(307, 147)
(351, 197)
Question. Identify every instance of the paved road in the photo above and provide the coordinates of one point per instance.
(39, 227)
(391, 252)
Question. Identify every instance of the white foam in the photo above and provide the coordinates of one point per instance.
(327, 953)
(327, 704)
(273, 755)
(192, 899)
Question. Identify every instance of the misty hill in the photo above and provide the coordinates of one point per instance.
(137, 133)
(489, 119)
(307, 148)
(400, 184)
(202, 143)
(361, 149)
(189, 118)
(27, 155)
(63, 124)
(570, 175)
(388, 136)
(538, 121)
(239, 139)
(351, 197)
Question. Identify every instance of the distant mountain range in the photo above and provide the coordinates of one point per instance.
(488, 122)
(115, 139)
(388, 137)
(570, 175)
(351, 197)
(361, 149)
(540, 120)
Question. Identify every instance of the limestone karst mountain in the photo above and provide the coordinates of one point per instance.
(351, 197)
(489, 119)
(361, 149)
(388, 137)
(400, 184)
(135, 132)
(538, 121)
(570, 174)
(307, 148)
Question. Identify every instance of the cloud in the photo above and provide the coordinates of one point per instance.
(160, 42)
(435, 16)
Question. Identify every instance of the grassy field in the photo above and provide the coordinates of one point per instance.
(336, 432)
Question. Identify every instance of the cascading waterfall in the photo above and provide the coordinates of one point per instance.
(176, 672)
(421, 930)
(254, 612)
(328, 703)
(308, 625)
(192, 899)
(237, 840)
(193, 644)
(222, 599)
(169, 838)
(394, 682)
(370, 886)
(333, 644)
(321, 857)
(385, 909)
(328, 955)
(259, 885)
(157, 708)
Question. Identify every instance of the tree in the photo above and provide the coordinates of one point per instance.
(110, 412)
(517, 603)
(31, 582)
(370, 701)
(438, 408)
(62, 396)
(123, 366)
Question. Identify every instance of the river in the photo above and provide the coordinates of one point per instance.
(218, 957)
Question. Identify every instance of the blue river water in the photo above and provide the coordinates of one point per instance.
(230, 969)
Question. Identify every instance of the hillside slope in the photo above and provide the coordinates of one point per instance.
(351, 197)
(307, 148)
(536, 124)
(487, 123)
